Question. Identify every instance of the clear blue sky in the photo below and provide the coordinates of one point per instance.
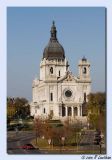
(81, 31)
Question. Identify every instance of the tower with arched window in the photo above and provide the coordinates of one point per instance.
(84, 69)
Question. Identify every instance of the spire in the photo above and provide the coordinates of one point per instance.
(53, 32)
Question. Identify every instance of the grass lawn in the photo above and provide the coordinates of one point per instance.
(43, 145)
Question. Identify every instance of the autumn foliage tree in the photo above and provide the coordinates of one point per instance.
(19, 106)
(38, 126)
(97, 110)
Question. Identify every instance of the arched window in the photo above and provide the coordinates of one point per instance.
(84, 70)
(51, 70)
(51, 96)
(84, 97)
(59, 73)
(63, 111)
(44, 110)
(75, 111)
(52, 35)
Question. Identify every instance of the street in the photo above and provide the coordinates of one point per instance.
(16, 141)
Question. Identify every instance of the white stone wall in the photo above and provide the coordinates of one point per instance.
(45, 66)
(48, 83)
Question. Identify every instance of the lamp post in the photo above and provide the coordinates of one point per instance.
(49, 142)
(63, 141)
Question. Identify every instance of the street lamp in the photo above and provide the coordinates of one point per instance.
(49, 142)
(63, 141)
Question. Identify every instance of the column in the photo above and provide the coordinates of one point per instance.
(66, 111)
(72, 111)
(78, 108)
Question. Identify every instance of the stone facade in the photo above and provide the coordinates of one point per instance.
(58, 93)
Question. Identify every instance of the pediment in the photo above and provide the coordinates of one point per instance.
(69, 77)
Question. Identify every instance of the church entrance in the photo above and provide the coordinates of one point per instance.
(75, 111)
(69, 111)
(63, 111)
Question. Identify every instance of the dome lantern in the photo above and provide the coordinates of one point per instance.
(53, 32)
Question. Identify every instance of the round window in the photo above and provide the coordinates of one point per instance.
(68, 93)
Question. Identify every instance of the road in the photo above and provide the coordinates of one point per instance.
(15, 141)
(87, 143)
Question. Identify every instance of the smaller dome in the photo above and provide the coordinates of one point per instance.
(53, 50)
(84, 59)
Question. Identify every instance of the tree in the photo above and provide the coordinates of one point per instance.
(18, 107)
(67, 128)
(52, 132)
(22, 107)
(97, 110)
(38, 126)
(11, 109)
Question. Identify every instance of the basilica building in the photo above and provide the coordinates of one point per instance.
(58, 93)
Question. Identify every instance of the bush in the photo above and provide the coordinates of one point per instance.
(54, 121)
(56, 142)
(59, 125)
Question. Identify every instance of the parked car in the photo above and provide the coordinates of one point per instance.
(31, 149)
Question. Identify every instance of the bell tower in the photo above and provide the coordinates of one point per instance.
(84, 69)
